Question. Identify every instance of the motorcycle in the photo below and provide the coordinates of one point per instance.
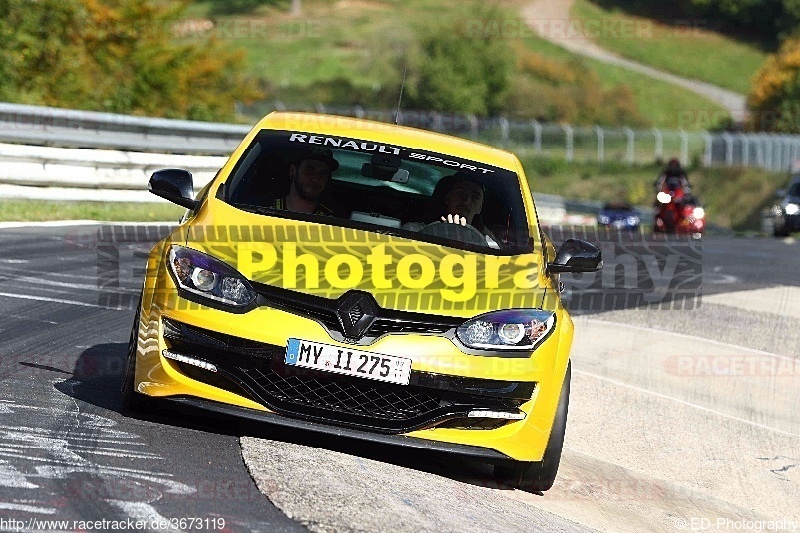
(677, 212)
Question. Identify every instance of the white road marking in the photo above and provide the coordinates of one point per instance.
(11, 477)
(79, 286)
(144, 512)
(27, 508)
(60, 301)
(686, 336)
(783, 300)
(682, 402)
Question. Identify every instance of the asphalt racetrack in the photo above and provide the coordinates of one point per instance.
(683, 414)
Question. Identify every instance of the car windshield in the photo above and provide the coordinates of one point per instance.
(794, 190)
(384, 188)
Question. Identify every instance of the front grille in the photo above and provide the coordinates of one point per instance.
(323, 310)
(256, 370)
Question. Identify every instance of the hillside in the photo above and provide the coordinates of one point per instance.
(347, 52)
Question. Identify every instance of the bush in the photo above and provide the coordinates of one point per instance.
(451, 70)
(117, 57)
(775, 98)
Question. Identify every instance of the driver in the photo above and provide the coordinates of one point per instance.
(463, 203)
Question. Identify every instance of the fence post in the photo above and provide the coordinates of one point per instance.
(760, 160)
(358, 111)
(728, 148)
(631, 140)
(745, 149)
(473, 126)
(537, 136)
(570, 147)
(503, 131)
(684, 147)
(320, 107)
(708, 156)
(659, 138)
(789, 144)
(600, 144)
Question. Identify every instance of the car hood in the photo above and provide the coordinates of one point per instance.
(400, 273)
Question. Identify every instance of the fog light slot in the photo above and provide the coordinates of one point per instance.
(505, 415)
(205, 365)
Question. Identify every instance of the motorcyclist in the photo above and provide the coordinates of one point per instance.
(673, 177)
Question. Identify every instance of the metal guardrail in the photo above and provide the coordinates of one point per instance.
(117, 152)
(67, 128)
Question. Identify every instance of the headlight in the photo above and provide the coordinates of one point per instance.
(699, 212)
(632, 221)
(205, 276)
(602, 219)
(514, 329)
(791, 209)
(664, 197)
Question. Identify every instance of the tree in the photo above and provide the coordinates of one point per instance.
(117, 56)
(774, 101)
(457, 71)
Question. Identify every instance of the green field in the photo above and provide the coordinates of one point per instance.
(687, 49)
(661, 103)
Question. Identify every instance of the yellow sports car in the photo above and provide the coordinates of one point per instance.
(368, 280)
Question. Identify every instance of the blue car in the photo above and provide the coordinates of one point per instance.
(786, 214)
(619, 216)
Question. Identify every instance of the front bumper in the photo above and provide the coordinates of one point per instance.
(256, 370)
(474, 452)
(248, 351)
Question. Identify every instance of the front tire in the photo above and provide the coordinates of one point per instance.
(780, 228)
(540, 476)
(130, 400)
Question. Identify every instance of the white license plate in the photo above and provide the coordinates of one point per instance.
(349, 362)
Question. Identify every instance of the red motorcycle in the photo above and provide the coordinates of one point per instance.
(677, 212)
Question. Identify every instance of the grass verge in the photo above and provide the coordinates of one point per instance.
(45, 210)
(732, 197)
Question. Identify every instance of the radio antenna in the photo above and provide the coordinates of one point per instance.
(400, 99)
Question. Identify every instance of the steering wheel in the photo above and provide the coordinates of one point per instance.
(468, 234)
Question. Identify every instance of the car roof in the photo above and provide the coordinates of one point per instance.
(390, 134)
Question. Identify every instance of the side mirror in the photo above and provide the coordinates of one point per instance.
(174, 185)
(576, 256)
